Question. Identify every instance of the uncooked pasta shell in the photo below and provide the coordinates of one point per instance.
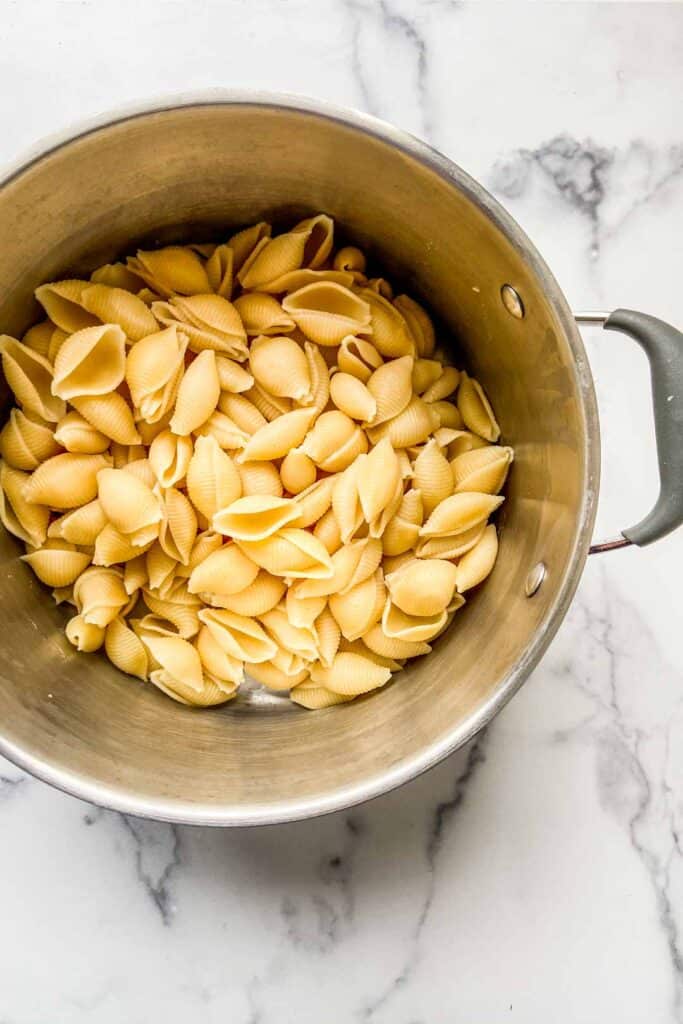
(396, 624)
(26, 441)
(303, 611)
(111, 546)
(260, 478)
(240, 637)
(117, 275)
(135, 574)
(216, 660)
(127, 502)
(357, 609)
(29, 375)
(352, 397)
(39, 337)
(244, 242)
(262, 314)
(100, 595)
(169, 457)
(160, 569)
(224, 430)
(432, 476)
(242, 412)
(351, 565)
(74, 433)
(223, 572)
(110, 414)
(443, 386)
(198, 394)
(119, 306)
(90, 362)
(231, 376)
(403, 529)
(476, 410)
(317, 697)
(84, 636)
(390, 333)
(358, 357)
(254, 517)
(178, 528)
(459, 513)
(425, 373)
(62, 301)
(345, 501)
(57, 567)
(477, 563)
(314, 501)
(391, 387)
(482, 469)
(319, 393)
(292, 553)
(327, 530)
(280, 366)
(65, 481)
(213, 481)
(277, 438)
(327, 312)
(377, 480)
(419, 322)
(125, 649)
(219, 269)
(350, 674)
(274, 678)
(264, 593)
(297, 471)
(392, 647)
(154, 367)
(410, 427)
(268, 405)
(175, 269)
(298, 640)
(329, 635)
(422, 587)
(184, 617)
(81, 526)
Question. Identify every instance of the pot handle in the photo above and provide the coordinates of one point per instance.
(663, 346)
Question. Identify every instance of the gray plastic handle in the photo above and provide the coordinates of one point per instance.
(663, 345)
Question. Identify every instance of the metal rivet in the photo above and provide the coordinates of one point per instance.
(535, 578)
(512, 301)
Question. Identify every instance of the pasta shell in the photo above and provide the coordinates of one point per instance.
(57, 566)
(224, 572)
(213, 481)
(231, 376)
(390, 334)
(352, 397)
(476, 410)
(142, 469)
(210, 322)
(26, 521)
(127, 502)
(125, 649)
(135, 574)
(350, 257)
(262, 314)
(169, 457)
(65, 481)
(225, 431)
(117, 275)
(351, 565)
(174, 269)
(377, 480)
(148, 431)
(403, 529)
(297, 471)
(81, 526)
(483, 469)
(293, 553)
(119, 306)
(216, 660)
(359, 608)
(90, 362)
(392, 388)
(432, 476)
(268, 405)
(419, 323)
(280, 366)
(205, 544)
(153, 370)
(328, 634)
(464, 442)
(260, 478)
(178, 528)
(25, 441)
(160, 569)
(274, 678)
(39, 337)
(425, 373)
(391, 563)
(100, 595)
(410, 427)
(350, 675)
(317, 697)
(327, 312)
(62, 301)
(382, 287)
(327, 531)
(277, 438)
(294, 639)
(477, 563)
(112, 547)
(240, 637)
(29, 375)
(219, 270)
(153, 625)
(449, 416)
(358, 357)
(444, 386)
(242, 412)
(264, 593)
(314, 501)
(110, 414)
(319, 393)
(84, 636)
(346, 502)
(306, 245)
(422, 587)
(459, 513)
(180, 674)
(397, 625)
(358, 647)
(392, 647)
(254, 517)
(77, 435)
(303, 611)
(245, 241)
(184, 617)
(334, 442)
(198, 394)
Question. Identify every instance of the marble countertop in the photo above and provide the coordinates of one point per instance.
(538, 875)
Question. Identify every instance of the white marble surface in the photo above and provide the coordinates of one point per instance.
(538, 876)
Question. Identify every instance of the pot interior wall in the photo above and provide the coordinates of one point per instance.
(196, 173)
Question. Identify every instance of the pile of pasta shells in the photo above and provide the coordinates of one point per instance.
(248, 456)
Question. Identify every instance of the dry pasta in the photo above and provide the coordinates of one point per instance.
(247, 458)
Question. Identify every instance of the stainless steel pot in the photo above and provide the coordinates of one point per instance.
(192, 169)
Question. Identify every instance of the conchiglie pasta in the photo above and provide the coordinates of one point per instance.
(459, 513)
(26, 441)
(328, 312)
(74, 433)
(352, 397)
(154, 367)
(297, 471)
(277, 438)
(29, 375)
(169, 457)
(476, 410)
(171, 270)
(110, 415)
(280, 366)
(422, 587)
(125, 649)
(57, 566)
(350, 674)
(483, 469)
(254, 517)
(62, 301)
(262, 314)
(358, 357)
(213, 481)
(198, 394)
(114, 305)
(477, 563)
(290, 552)
(264, 593)
(223, 572)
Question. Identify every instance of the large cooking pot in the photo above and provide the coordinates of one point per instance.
(195, 169)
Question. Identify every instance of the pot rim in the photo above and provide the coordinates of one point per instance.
(183, 812)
